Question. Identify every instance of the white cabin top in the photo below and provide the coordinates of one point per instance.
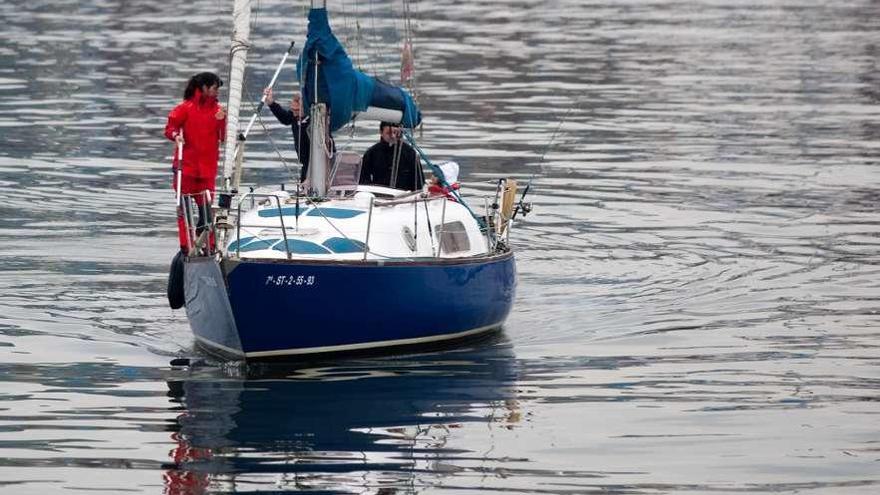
(373, 223)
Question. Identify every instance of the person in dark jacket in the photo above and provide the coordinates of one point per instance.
(391, 162)
(299, 125)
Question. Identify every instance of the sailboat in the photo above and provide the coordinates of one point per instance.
(333, 265)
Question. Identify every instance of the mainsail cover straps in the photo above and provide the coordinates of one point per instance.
(346, 90)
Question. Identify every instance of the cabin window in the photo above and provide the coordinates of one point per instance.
(453, 237)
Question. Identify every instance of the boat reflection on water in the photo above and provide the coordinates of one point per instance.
(366, 425)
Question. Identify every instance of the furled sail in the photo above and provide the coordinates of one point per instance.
(241, 16)
(347, 91)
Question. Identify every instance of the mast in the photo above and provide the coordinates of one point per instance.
(241, 32)
(319, 150)
(317, 175)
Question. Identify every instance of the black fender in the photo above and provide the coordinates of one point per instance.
(176, 297)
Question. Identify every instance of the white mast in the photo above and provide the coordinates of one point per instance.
(241, 32)
(317, 176)
(319, 149)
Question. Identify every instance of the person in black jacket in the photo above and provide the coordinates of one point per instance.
(299, 125)
(391, 162)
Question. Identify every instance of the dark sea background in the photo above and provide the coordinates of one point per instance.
(699, 284)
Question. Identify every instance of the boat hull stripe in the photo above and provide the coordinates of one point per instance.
(346, 348)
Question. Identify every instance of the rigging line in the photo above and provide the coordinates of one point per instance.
(269, 136)
(254, 22)
(520, 204)
(347, 132)
(430, 228)
(294, 176)
(395, 164)
(406, 19)
(404, 46)
(256, 15)
(399, 42)
(357, 33)
(219, 29)
(310, 202)
(439, 173)
(351, 32)
(407, 25)
(299, 141)
(415, 74)
(325, 141)
(377, 41)
(553, 138)
(407, 56)
(420, 174)
(344, 32)
(395, 21)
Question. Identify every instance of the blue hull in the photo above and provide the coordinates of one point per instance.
(283, 308)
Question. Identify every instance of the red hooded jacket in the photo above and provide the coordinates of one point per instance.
(202, 133)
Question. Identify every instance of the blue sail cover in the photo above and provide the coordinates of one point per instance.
(346, 90)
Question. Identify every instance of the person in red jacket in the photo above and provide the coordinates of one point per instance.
(199, 123)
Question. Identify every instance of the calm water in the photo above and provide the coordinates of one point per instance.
(699, 286)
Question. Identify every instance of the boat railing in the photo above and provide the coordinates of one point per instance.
(493, 225)
(199, 228)
(488, 224)
(253, 196)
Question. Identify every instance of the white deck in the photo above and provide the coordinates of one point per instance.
(401, 226)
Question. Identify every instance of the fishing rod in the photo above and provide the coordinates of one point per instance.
(243, 136)
(527, 207)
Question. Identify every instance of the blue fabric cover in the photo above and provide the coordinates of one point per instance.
(286, 211)
(334, 213)
(343, 245)
(234, 245)
(299, 246)
(258, 245)
(346, 90)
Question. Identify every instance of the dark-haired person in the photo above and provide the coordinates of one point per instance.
(391, 162)
(199, 123)
(299, 125)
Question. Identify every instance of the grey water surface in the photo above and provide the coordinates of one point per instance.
(699, 283)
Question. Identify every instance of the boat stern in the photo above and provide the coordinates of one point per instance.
(207, 307)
